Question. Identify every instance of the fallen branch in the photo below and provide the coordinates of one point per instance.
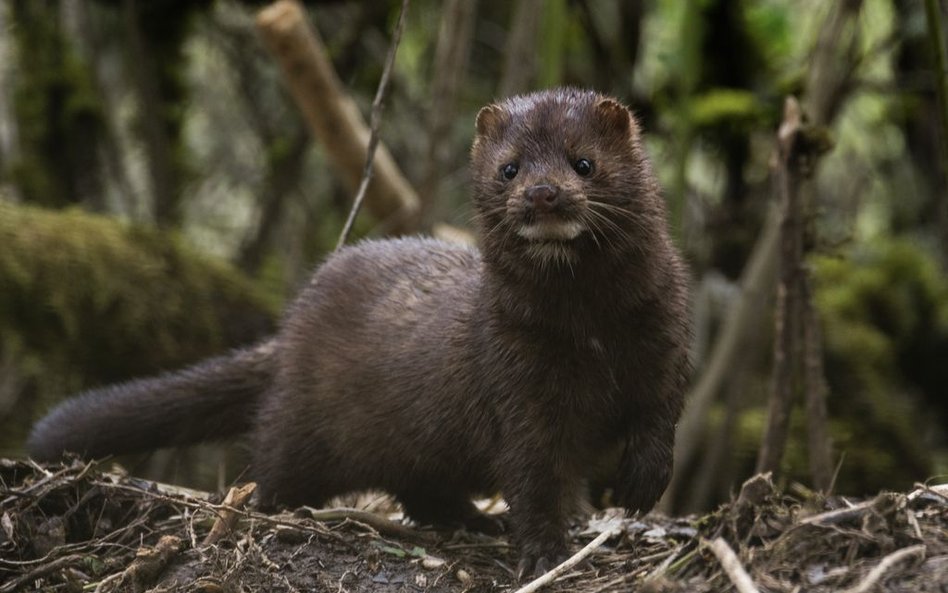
(39, 571)
(332, 115)
(672, 558)
(549, 577)
(854, 512)
(376, 522)
(870, 580)
(940, 490)
(236, 498)
(732, 566)
(838, 515)
(199, 504)
(145, 568)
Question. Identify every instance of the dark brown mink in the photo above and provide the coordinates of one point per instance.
(439, 372)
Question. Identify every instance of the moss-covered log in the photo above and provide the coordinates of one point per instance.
(87, 300)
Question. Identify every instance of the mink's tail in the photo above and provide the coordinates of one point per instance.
(211, 400)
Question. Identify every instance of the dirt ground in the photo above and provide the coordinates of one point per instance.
(78, 528)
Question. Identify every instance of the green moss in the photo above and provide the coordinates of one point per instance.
(58, 111)
(892, 294)
(86, 300)
(884, 309)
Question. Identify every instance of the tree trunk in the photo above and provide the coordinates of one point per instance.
(450, 65)
(520, 68)
(283, 175)
(936, 36)
(790, 305)
(162, 173)
(798, 363)
(819, 445)
(833, 62)
(332, 115)
(743, 315)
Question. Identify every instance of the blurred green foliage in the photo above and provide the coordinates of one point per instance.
(885, 308)
(56, 107)
(87, 300)
(884, 312)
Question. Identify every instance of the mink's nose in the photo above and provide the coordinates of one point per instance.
(543, 198)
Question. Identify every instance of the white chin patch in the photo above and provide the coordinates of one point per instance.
(548, 253)
(551, 230)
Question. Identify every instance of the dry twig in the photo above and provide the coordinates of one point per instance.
(41, 570)
(236, 498)
(732, 566)
(566, 565)
(145, 568)
(870, 580)
(376, 522)
(374, 126)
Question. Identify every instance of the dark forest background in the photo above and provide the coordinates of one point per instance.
(161, 196)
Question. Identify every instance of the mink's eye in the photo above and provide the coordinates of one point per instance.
(583, 167)
(509, 171)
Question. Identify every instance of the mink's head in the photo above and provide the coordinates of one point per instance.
(561, 178)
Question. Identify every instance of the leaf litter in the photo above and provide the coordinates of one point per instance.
(78, 528)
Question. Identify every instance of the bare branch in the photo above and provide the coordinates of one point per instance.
(732, 566)
(332, 115)
(375, 122)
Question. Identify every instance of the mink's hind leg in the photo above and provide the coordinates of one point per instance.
(448, 510)
(292, 467)
(277, 486)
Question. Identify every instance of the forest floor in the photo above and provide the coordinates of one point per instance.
(78, 528)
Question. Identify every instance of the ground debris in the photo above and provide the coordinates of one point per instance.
(76, 527)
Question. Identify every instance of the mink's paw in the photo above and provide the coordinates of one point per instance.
(640, 485)
(533, 566)
(638, 499)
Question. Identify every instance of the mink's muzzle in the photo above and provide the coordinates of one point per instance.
(546, 212)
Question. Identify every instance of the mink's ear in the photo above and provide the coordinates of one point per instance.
(615, 118)
(491, 121)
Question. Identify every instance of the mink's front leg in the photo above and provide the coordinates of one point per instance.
(541, 501)
(646, 466)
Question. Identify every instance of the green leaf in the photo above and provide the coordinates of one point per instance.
(722, 105)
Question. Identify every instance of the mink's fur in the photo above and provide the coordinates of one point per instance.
(437, 372)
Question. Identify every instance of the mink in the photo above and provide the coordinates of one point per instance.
(438, 372)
